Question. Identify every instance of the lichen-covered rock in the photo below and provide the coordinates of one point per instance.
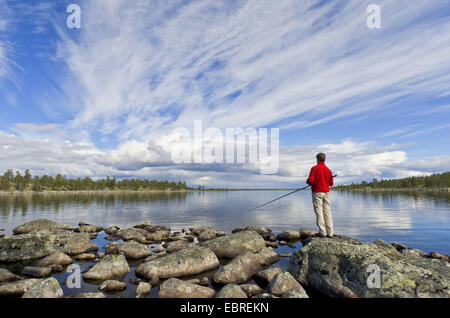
(6, 276)
(111, 266)
(282, 283)
(132, 234)
(191, 261)
(176, 246)
(231, 291)
(89, 229)
(267, 256)
(251, 290)
(56, 258)
(339, 268)
(288, 236)
(111, 286)
(37, 272)
(232, 245)
(18, 288)
(143, 290)
(208, 234)
(157, 236)
(239, 270)
(85, 257)
(48, 288)
(262, 230)
(79, 243)
(112, 230)
(134, 250)
(266, 276)
(27, 246)
(36, 226)
(176, 288)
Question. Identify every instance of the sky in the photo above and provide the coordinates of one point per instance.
(106, 99)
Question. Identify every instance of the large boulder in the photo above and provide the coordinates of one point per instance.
(27, 246)
(111, 266)
(111, 286)
(36, 226)
(176, 246)
(232, 245)
(17, 288)
(231, 291)
(267, 256)
(57, 258)
(143, 290)
(48, 288)
(341, 268)
(79, 243)
(239, 270)
(191, 261)
(176, 288)
(208, 234)
(266, 276)
(37, 272)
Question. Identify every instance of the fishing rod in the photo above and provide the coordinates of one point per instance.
(281, 197)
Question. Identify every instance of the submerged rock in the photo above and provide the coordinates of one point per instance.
(191, 261)
(111, 266)
(57, 258)
(36, 226)
(176, 288)
(48, 288)
(6, 276)
(339, 268)
(27, 246)
(79, 243)
(231, 291)
(18, 288)
(110, 286)
(239, 270)
(232, 245)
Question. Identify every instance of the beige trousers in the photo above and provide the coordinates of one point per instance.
(322, 208)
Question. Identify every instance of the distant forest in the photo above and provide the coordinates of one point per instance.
(26, 182)
(440, 180)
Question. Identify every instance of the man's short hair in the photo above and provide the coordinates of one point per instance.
(321, 157)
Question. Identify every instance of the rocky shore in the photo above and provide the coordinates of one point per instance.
(205, 263)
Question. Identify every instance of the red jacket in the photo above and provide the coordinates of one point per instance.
(320, 178)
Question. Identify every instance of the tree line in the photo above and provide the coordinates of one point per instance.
(26, 182)
(438, 180)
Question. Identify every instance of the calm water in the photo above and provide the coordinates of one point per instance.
(419, 220)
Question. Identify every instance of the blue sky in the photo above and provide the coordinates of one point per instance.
(105, 99)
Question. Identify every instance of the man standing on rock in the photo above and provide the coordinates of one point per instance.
(320, 178)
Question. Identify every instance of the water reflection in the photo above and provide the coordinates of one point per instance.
(418, 219)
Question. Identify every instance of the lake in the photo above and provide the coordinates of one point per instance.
(419, 220)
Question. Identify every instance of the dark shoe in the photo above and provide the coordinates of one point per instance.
(320, 235)
(330, 236)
